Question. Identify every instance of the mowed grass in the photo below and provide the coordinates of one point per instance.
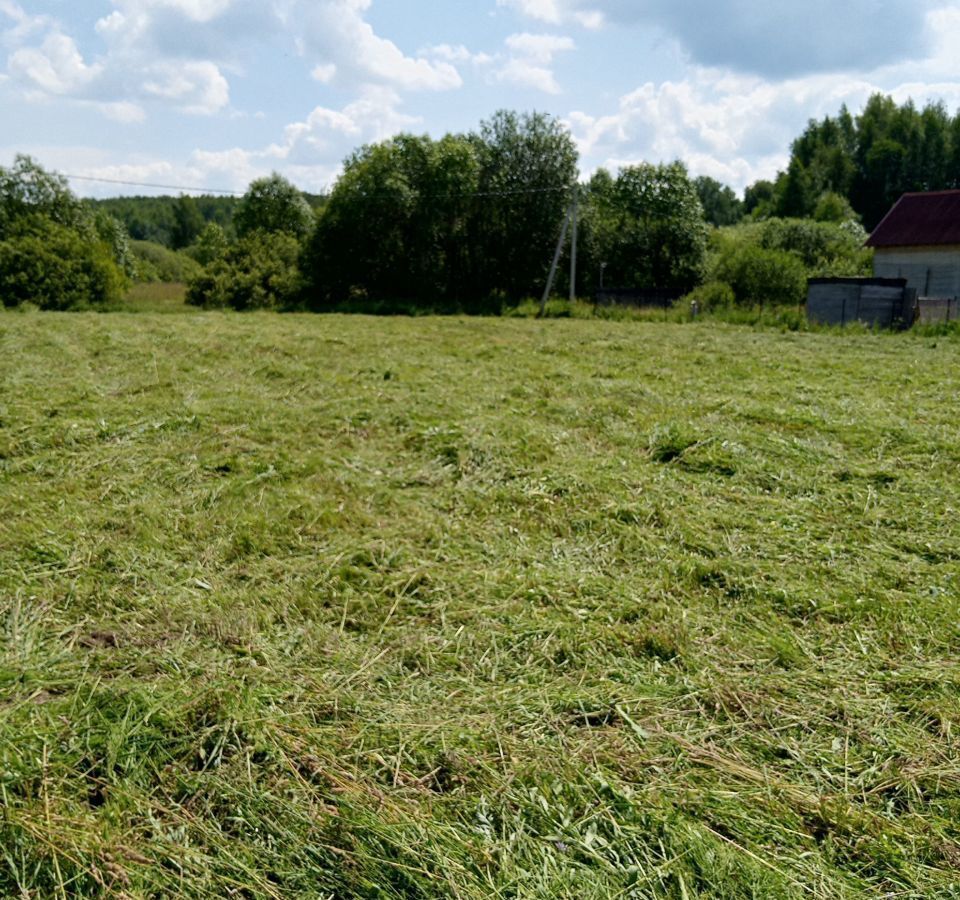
(155, 297)
(298, 606)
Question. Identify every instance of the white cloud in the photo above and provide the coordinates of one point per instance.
(310, 151)
(457, 54)
(557, 12)
(24, 24)
(548, 11)
(529, 61)
(55, 67)
(122, 111)
(778, 38)
(201, 11)
(335, 31)
(738, 128)
(324, 73)
(539, 48)
(177, 53)
(197, 88)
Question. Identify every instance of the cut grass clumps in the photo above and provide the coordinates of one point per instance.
(568, 608)
(667, 443)
(679, 446)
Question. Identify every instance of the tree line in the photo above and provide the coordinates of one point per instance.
(863, 162)
(469, 222)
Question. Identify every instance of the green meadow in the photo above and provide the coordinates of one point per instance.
(341, 607)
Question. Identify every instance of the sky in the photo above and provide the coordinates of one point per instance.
(210, 94)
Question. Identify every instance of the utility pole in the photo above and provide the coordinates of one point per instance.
(573, 246)
(556, 262)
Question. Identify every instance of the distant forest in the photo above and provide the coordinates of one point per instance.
(176, 222)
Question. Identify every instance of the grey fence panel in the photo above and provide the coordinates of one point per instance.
(832, 304)
(876, 302)
(880, 307)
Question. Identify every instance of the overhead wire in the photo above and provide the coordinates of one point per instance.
(164, 187)
(228, 192)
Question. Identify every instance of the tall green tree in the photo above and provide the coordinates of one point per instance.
(888, 149)
(869, 160)
(27, 189)
(721, 206)
(395, 233)
(188, 222)
(759, 199)
(528, 171)
(647, 227)
(273, 204)
(211, 244)
(465, 222)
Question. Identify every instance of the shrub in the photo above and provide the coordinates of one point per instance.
(211, 245)
(712, 295)
(54, 252)
(260, 271)
(825, 248)
(154, 262)
(763, 277)
(114, 234)
(56, 267)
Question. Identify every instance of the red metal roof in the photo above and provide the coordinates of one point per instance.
(920, 220)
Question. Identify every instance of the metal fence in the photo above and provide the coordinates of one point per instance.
(937, 310)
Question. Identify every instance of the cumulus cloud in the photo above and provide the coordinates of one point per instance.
(309, 151)
(374, 116)
(198, 88)
(457, 54)
(120, 81)
(778, 38)
(178, 53)
(55, 67)
(19, 24)
(530, 59)
(558, 12)
(335, 31)
(526, 60)
(738, 127)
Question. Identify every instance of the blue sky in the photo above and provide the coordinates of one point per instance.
(214, 93)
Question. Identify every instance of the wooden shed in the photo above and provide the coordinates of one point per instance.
(919, 240)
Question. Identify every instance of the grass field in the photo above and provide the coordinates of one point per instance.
(300, 606)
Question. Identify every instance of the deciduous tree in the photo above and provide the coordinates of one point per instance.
(273, 204)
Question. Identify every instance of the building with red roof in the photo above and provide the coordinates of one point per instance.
(919, 239)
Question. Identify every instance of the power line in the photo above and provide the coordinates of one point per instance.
(368, 194)
(164, 187)
(465, 195)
